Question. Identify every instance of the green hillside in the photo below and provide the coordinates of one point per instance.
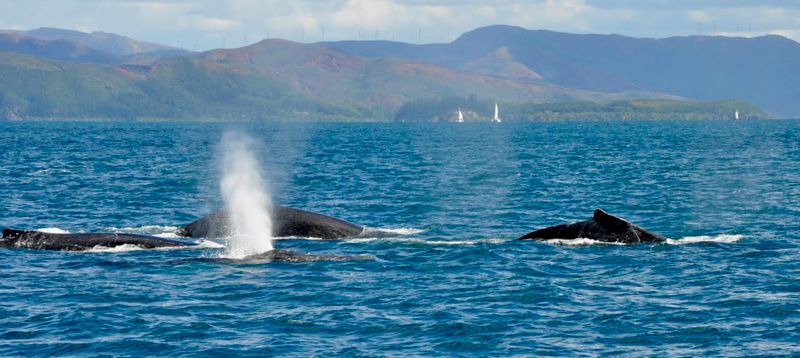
(179, 88)
(384, 84)
(270, 80)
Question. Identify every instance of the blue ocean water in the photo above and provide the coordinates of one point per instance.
(455, 283)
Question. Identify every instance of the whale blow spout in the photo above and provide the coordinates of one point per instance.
(602, 227)
(247, 200)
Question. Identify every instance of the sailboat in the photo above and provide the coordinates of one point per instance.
(460, 116)
(496, 118)
(736, 114)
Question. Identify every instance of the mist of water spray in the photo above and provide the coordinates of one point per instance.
(246, 197)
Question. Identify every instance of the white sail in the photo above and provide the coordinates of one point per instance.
(460, 116)
(736, 114)
(496, 114)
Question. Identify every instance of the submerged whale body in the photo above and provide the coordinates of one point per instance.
(285, 222)
(602, 227)
(284, 255)
(28, 239)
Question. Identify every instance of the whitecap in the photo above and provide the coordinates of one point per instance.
(154, 230)
(369, 234)
(311, 238)
(48, 171)
(53, 230)
(494, 241)
(360, 240)
(202, 244)
(722, 238)
(168, 235)
(119, 248)
(208, 244)
(397, 231)
(581, 241)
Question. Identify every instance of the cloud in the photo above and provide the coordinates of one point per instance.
(699, 16)
(160, 8)
(208, 23)
(212, 24)
(370, 14)
(748, 21)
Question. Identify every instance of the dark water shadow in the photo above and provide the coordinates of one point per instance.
(282, 255)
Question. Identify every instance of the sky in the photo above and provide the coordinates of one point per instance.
(207, 24)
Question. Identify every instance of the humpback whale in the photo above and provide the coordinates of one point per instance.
(602, 227)
(28, 239)
(285, 222)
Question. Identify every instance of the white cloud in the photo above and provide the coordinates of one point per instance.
(370, 14)
(486, 12)
(207, 23)
(160, 9)
(699, 16)
(212, 24)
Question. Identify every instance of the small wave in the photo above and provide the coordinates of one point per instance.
(120, 248)
(361, 240)
(49, 171)
(208, 244)
(722, 238)
(464, 242)
(202, 244)
(310, 238)
(154, 230)
(369, 234)
(168, 235)
(401, 231)
(581, 241)
(53, 230)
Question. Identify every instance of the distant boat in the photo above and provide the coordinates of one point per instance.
(496, 118)
(460, 116)
(736, 114)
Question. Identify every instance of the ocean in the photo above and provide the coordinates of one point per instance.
(453, 282)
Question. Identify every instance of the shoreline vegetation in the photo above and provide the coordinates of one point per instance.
(446, 110)
(423, 111)
(443, 110)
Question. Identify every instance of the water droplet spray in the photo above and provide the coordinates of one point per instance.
(246, 197)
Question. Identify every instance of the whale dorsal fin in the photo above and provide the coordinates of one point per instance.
(12, 234)
(604, 219)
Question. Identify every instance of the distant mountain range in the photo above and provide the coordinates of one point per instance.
(62, 74)
(763, 70)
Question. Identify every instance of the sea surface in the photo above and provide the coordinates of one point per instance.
(454, 282)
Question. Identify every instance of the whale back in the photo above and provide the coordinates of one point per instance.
(38, 240)
(215, 224)
(602, 227)
(295, 222)
(285, 222)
